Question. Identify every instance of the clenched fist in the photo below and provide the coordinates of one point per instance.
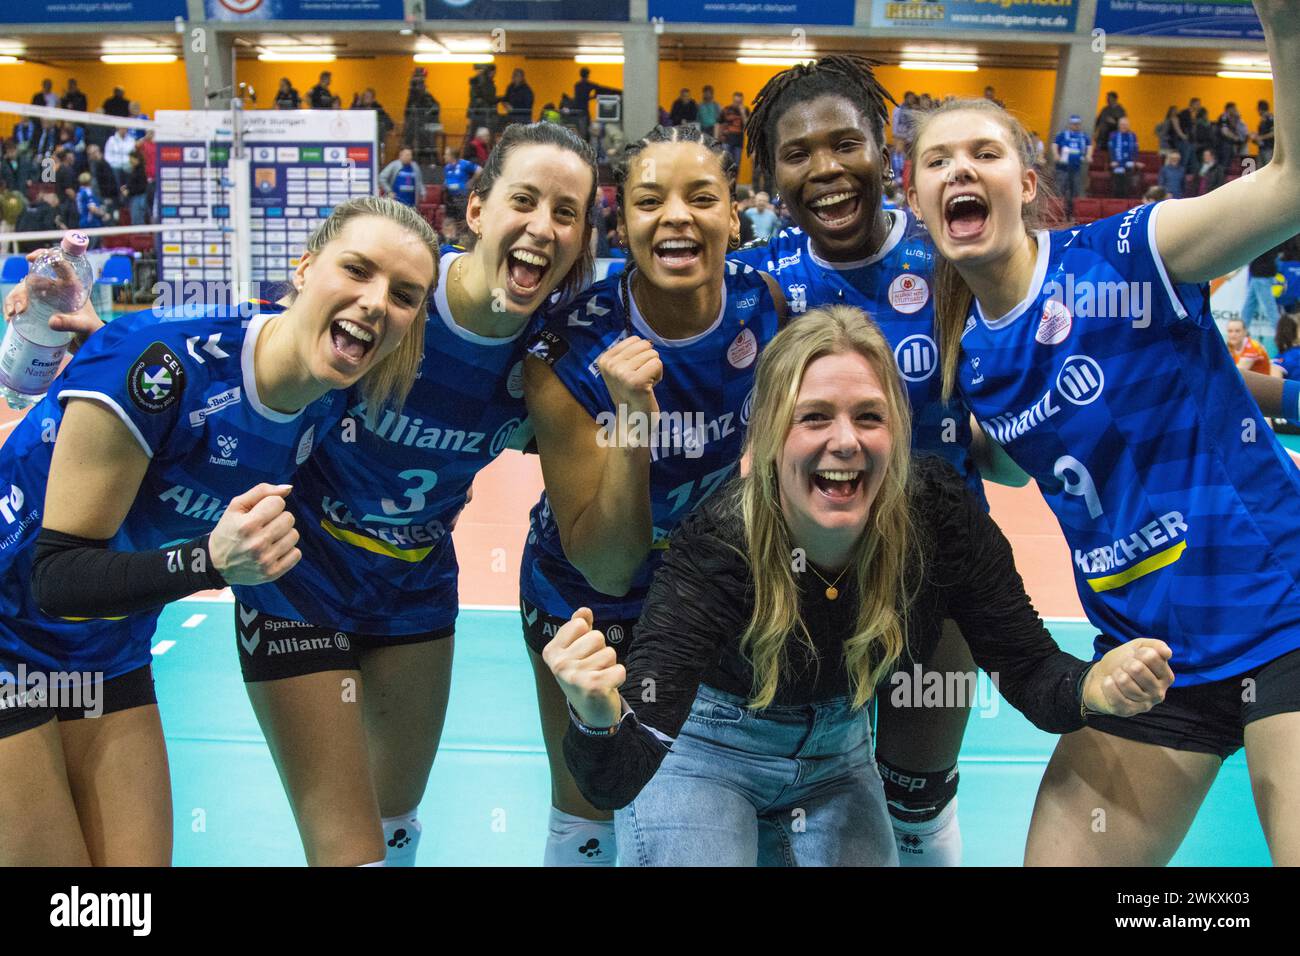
(254, 542)
(1129, 680)
(587, 670)
(631, 370)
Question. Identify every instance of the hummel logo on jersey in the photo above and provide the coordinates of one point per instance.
(798, 298)
(226, 444)
(594, 309)
(212, 347)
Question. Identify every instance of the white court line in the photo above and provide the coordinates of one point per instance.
(194, 620)
(162, 647)
(224, 596)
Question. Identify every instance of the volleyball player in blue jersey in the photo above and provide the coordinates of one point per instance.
(358, 637)
(818, 131)
(155, 468)
(638, 391)
(1092, 356)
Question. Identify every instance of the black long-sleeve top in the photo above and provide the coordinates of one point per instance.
(703, 594)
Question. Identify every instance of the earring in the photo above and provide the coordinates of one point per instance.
(733, 242)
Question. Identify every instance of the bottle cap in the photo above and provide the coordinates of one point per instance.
(75, 243)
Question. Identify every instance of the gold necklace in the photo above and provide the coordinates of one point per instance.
(832, 592)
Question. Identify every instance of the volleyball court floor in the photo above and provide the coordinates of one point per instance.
(488, 797)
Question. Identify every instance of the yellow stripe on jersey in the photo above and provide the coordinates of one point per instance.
(82, 619)
(413, 555)
(1153, 563)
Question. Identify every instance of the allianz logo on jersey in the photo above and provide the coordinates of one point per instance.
(917, 357)
(413, 433)
(1079, 382)
(204, 507)
(215, 404)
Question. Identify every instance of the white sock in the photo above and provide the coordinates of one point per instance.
(574, 841)
(402, 837)
(935, 842)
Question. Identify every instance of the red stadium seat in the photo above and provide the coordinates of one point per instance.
(1099, 183)
(1087, 209)
(433, 195)
(428, 211)
(1113, 207)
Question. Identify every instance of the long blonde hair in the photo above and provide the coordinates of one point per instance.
(882, 554)
(389, 382)
(952, 296)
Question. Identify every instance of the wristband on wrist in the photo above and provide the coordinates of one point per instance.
(1291, 400)
(589, 731)
(1084, 711)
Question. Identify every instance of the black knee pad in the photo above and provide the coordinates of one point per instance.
(917, 797)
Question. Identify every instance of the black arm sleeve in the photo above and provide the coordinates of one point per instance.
(80, 577)
(698, 600)
(987, 599)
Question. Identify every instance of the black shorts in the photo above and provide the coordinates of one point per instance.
(23, 711)
(1211, 718)
(540, 627)
(273, 648)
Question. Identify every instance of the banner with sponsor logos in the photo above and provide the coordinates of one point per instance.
(97, 11)
(795, 12)
(303, 163)
(1056, 16)
(1229, 19)
(526, 9)
(240, 10)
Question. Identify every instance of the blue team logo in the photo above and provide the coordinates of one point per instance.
(156, 379)
(1080, 380)
(917, 357)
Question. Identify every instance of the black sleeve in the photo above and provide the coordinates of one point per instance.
(699, 598)
(80, 577)
(973, 564)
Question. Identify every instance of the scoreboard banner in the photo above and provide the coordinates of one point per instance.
(794, 12)
(240, 10)
(526, 10)
(1227, 19)
(302, 163)
(1055, 16)
(96, 11)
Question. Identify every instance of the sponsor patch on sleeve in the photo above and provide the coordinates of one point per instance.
(156, 380)
(548, 347)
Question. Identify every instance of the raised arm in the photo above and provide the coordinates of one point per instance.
(599, 492)
(1205, 237)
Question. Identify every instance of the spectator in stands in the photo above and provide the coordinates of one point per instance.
(763, 218)
(483, 97)
(117, 151)
(90, 213)
(421, 116)
(135, 191)
(1172, 175)
(612, 142)
(458, 176)
(1071, 154)
(1108, 119)
(366, 101)
(1264, 137)
(479, 147)
(1168, 132)
(73, 98)
(148, 150)
(137, 112)
(118, 104)
(17, 168)
(1123, 159)
(1210, 174)
(65, 177)
(710, 112)
(1203, 137)
(1248, 354)
(46, 95)
(1187, 150)
(41, 216)
(286, 97)
(1040, 150)
(685, 110)
(402, 179)
(319, 96)
(1287, 342)
(732, 126)
(901, 120)
(1155, 194)
(336, 102)
(26, 131)
(46, 142)
(102, 175)
(1260, 301)
(991, 96)
(550, 114)
(73, 138)
(519, 98)
(583, 91)
(99, 132)
(1233, 135)
(925, 102)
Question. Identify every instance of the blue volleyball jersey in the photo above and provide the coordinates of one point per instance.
(186, 391)
(375, 504)
(1111, 387)
(893, 287)
(703, 398)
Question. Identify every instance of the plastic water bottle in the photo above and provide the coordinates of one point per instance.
(32, 352)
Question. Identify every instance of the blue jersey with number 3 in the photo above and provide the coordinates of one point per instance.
(1111, 386)
(704, 407)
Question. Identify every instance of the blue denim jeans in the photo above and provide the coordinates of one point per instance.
(787, 786)
(1260, 304)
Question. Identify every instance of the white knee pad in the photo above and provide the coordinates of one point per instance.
(934, 842)
(573, 841)
(401, 838)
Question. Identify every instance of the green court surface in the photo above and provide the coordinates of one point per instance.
(488, 797)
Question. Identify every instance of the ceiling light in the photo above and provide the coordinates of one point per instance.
(1244, 75)
(123, 58)
(611, 58)
(1119, 71)
(453, 58)
(939, 66)
(467, 45)
(296, 56)
(760, 60)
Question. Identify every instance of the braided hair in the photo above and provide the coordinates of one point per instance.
(674, 134)
(847, 75)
